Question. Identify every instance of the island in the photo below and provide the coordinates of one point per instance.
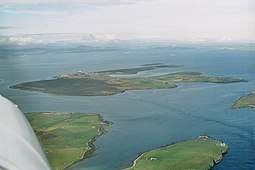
(67, 137)
(245, 101)
(144, 67)
(103, 83)
(200, 154)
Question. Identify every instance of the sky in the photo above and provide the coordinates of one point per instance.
(222, 20)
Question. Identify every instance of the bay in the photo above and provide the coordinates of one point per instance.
(144, 119)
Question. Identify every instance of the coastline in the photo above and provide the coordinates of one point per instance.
(214, 161)
(84, 146)
(238, 103)
(31, 89)
(88, 153)
(102, 84)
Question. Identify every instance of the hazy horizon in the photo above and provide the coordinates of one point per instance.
(194, 20)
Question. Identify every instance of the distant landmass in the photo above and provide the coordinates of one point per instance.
(102, 83)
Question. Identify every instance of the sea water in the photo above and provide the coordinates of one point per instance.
(144, 119)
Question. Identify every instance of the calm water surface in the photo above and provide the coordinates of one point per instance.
(144, 119)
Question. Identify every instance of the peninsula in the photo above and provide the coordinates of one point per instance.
(102, 83)
(200, 154)
(245, 101)
(66, 137)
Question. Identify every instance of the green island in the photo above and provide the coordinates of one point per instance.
(102, 83)
(199, 154)
(144, 67)
(67, 137)
(245, 101)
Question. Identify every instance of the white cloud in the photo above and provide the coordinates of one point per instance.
(85, 2)
(57, 7)
(21, 40)
(103, 37)
(34, 12)
(57, 38)
(6, 27)
(134, 19)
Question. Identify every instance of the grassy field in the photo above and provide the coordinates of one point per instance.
(102, 84)
(66, 137)
(197, 154)
(245, 101)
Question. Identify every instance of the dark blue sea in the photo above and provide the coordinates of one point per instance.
(144, 119)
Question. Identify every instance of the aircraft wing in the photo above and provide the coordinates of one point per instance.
(19, 146)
